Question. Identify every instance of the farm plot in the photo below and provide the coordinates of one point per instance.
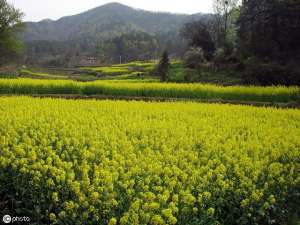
(115, 162)
(273, 94)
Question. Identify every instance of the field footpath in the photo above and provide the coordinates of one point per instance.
(295, 104)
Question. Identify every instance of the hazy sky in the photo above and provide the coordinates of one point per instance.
(36, 10)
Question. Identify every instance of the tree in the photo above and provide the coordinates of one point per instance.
(198, 35)
(131, 46)
(194, 58)
(270, 29)
(269, 34)
(225, 18)
(163, 66)
(10, 24)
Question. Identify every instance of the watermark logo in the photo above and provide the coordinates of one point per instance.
(7, 219)
(16, 219)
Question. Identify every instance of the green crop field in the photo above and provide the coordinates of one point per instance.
(115, 162)
(26, 72)
(110, 70)
(124, 69)
(144, 89)
(133, 71)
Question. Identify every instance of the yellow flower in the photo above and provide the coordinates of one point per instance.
(211, 211)
(272, 199)
(245, 203)
(167, 213)
(206, 195)
(52, 217)
(157, 220)
(112, 221)
(62, 214)
(94, 196)
(55, 197)
(195, 210)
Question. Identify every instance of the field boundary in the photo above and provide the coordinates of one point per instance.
(161, 99)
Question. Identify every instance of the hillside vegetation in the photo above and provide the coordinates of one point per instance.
(106, 32)
(101, 21)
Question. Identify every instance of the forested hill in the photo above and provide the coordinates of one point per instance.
(90, 29)
(103, 22)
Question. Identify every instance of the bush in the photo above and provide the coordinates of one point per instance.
(9, 71)
(225, 59)
(194, 58)
(190, 75)
(256, 72)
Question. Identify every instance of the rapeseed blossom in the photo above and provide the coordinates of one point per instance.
(115, 162)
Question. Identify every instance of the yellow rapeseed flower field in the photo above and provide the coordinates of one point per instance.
(117, 162)
(200, 91)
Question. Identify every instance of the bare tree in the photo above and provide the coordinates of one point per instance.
(223, 9)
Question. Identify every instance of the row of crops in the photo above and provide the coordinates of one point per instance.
(114, 162)
(122, 69)
(140, 89)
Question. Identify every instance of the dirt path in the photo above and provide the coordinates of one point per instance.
(162, 99)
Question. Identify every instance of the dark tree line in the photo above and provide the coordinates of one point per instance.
(270, 29)
(260, 36)
(269, 33)
(130, 46)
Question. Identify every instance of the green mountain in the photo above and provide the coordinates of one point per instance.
(107, 31)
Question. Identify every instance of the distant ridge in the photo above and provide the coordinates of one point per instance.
(105, 34)
(106, 21)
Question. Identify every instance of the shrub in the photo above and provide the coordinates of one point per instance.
(194, 58)
(270, 73)
(225, 59)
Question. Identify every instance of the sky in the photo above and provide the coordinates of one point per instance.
(36, 10)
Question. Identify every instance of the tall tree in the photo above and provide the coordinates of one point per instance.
(10, 23)
(225, 11)
(163, 66)
(198, 35)
(270, 29)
